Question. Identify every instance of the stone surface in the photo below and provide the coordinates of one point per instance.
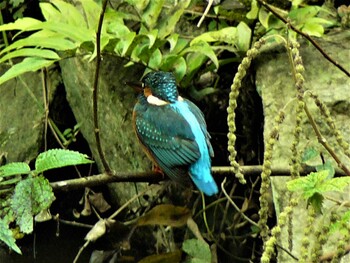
(115, 103)
(275, 84)
(21, 117)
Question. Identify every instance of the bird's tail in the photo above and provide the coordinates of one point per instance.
(207, 185)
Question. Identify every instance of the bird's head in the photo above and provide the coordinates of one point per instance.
(161, 85)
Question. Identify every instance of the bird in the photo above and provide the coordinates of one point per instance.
(173, 132)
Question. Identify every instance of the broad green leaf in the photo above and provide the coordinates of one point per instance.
(92, 12)
(313, 29)
(49, 12)
(70, 13)
(202, 48)
(27, 65)
(254, 10)
(31, 196)
(301, 15)
(327, 166)
(140, 5)
(75, 33)
(155, 59)
(13, 180)
(244, 35)
(180, 46)
(264, 17)
(14, 168)
(172, 39)
(123, 45)
(197, 249)
(167, 24)
(22, 24)
(340, 225)
(56, 158)
(152, 36)
(335, 184)
(151, 13)
(6, 236)
(30, 52)
(44, 39)
(227, 35)
(140, 52)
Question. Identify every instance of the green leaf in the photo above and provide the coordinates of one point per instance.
(227, 35)
(140, 5)
(123, 45)
(313, 29)
(264, 17)
(28, 64)
(167, 24)
(6, 236)
(202, 48)
(14, 168)
(69, 13)
(49, 41)
(155, 59)
(30, 52)
(340, 225)
(22, 24)
(57, 158)
(172, 39)
(198, 250)
(300, 15)
(244, 32)
(31, 196)
(92, 11)
(327, 166)
(311, 156)
(152, 12)
(254, 10)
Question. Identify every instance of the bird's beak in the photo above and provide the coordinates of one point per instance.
(136, 85)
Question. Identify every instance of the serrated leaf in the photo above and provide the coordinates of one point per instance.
(31, 195)
(27, 64)
(14, 169)
(56, 158)
(30, 52)
(197, 249)
(327, 166)
(152, 12)
(165, 214)
(6, 236)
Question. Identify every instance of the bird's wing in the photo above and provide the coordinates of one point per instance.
(200, 117)
(168, 138)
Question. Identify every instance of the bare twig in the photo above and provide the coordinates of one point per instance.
(313, 42)
(95, 90)
(153, 177)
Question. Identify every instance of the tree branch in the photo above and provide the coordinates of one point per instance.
(95, 90)
(313, 42)
(153, 177)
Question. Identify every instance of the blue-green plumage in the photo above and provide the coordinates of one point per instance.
(174, 132)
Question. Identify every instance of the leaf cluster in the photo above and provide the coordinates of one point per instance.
(31, 193)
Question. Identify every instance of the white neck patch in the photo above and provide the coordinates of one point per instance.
(158, 102)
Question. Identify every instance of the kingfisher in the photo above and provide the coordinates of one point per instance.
(173, 132)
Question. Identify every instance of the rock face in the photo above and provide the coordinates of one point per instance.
(115, 103)
(21, 117)
(275, 84)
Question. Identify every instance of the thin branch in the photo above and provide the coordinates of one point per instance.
(313, 42)
(324, 143)
(95, 90)
(153, 177)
